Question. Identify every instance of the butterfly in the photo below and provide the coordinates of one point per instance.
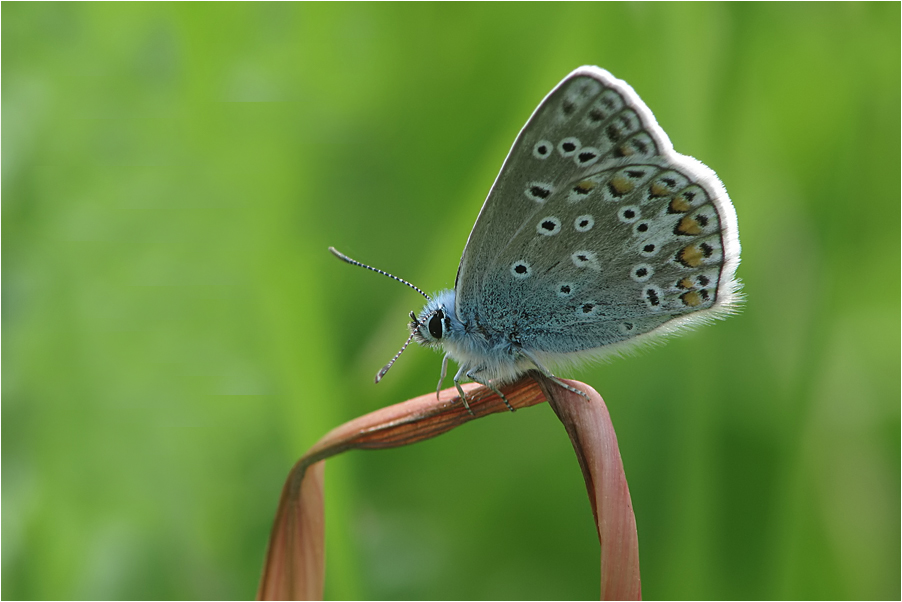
(595, 237)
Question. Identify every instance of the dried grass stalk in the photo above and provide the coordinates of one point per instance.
(294, 568)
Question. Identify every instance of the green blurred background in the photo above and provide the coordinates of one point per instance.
(175, 333)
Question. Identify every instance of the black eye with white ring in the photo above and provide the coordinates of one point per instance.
(435, 324)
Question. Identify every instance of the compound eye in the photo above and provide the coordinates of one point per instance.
(435, 324)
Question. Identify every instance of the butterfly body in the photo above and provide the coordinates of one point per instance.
(483, 349)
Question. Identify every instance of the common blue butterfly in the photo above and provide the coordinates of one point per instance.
(596, 236)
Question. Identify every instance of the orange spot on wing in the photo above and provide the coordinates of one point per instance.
(679, 204)
(690, 256)
(658, 190)
(691, 299)
(688, 226)
(621, 184)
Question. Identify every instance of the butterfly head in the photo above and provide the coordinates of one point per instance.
(434, 323)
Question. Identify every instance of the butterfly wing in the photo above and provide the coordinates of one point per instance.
(596, 232)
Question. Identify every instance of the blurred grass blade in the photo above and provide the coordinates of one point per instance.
(294, 566)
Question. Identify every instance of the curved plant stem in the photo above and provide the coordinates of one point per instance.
(294, 567)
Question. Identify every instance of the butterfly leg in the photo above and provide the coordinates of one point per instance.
(486, 383)
(442, 376)
(460, 390)
(551, 376)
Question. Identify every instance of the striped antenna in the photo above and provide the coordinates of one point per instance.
(347, 259)
(387, 366)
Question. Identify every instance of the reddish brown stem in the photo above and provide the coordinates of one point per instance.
(294, 566)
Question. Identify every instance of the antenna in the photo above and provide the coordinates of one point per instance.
(413, 316)
(347, 259)
(388, 366)
(413, 333)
